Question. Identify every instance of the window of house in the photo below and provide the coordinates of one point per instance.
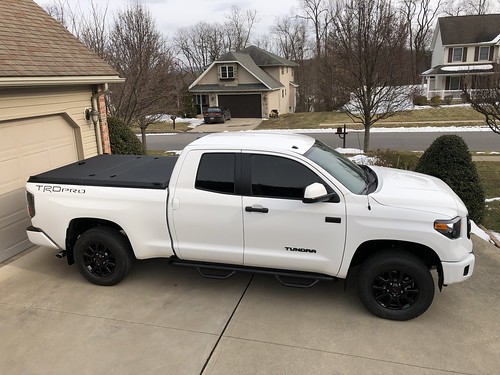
(276, 177)
(227, 72)
(484, 53)
(457, 54)
(282, 93)
(282, 70)
(216, 173)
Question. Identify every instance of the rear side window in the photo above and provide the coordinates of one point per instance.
(276, 177)
(216, 173)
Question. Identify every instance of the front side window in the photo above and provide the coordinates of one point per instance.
(276, 177)
(484, 53)
(342, 169)
(457, 54)
(227, 72)
(216, 173)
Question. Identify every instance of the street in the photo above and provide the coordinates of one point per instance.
(477, 141)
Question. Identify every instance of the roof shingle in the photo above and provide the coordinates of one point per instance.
(469, 29)
(33, 44)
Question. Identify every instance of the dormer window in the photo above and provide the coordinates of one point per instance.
(226, 72)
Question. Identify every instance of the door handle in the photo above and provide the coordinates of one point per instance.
(257, 209)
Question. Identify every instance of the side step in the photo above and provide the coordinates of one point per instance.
(225, 271)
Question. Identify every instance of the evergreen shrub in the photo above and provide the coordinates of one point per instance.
(122, 138)
(449, 159)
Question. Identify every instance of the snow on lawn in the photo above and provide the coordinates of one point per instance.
(492, 199)
(421, 129)
(193, 122)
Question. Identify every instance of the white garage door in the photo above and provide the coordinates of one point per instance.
(27, 147)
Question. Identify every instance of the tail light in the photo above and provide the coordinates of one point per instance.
(30, 198)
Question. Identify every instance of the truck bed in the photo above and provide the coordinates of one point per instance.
(128, 171)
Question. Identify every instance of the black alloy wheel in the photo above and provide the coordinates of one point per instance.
(395, 285)
(103, 255)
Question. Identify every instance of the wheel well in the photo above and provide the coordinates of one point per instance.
(424, 253)
(78, 226)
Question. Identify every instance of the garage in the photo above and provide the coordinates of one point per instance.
(245, 105)
(28, 147)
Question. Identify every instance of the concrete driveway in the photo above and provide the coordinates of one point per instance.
(235, 124)
(167, 320)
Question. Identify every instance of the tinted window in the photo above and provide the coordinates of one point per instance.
(346, 172)
(216, 173)
(272, 176)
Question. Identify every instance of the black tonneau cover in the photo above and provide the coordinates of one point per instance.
(130, 171)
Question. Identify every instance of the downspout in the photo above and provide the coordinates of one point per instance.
(98, 125)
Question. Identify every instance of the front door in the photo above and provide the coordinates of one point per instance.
(280, 230)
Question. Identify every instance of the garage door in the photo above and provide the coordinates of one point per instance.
(27, 147)
(242, 105)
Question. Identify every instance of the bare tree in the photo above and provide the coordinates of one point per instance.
(200, 45)
(370, 39)
(139, 53)
(469, 7)
(486, 98)
(239, 27)
(420, 18)
(316, 12)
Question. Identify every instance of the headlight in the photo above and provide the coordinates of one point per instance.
(449, 228)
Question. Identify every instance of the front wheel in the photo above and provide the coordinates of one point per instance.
(103, 256)
(395, 285)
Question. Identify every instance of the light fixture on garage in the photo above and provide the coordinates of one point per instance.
(91, 114)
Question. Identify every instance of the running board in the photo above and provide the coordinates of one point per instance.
(225, 271)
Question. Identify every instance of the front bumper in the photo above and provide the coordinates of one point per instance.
(38, 237)
(455, 272)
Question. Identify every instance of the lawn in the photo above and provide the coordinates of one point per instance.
(430, 116)
(489, 172)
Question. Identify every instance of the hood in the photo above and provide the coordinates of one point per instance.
(405, 189)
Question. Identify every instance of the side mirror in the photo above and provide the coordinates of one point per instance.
(316, 192)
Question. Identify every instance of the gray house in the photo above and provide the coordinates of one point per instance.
(251, 83)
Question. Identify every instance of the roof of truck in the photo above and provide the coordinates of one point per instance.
(264, 141)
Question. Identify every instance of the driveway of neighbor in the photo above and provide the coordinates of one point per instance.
(168, 320)
(235, 124)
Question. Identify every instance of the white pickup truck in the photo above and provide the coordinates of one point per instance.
(285, 205)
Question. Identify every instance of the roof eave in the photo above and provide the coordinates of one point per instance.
(58, 81)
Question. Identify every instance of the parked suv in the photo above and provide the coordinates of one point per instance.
(216, 114)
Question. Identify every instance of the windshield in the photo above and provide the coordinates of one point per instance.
(351, 175)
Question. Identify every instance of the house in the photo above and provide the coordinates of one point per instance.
(463, 47)
(50, 86)
(251, 83)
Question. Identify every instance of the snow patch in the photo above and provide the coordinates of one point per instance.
(462, 68)
(492, 199)
(349, 150)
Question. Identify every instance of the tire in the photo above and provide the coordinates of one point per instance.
(103, 256)
(395, 285)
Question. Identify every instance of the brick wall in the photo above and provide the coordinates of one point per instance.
(103, 123)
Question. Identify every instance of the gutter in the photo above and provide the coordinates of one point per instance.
(57, 81)
(98, 126)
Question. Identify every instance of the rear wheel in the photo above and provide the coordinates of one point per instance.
(395, 285)
(103, 256)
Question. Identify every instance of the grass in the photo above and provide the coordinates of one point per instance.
(489, 172)
(435, 116)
